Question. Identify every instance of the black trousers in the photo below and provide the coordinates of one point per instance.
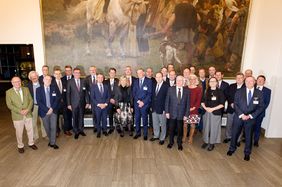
(173, 125)
(111, 112)
(78, 119)
(237, 127)
(67, 114)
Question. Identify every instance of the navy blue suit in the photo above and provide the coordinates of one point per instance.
(158, 101)
(255, 108)
(144, 94)
(177, 110)
(55, 97)
(266, 98)
(100, 98)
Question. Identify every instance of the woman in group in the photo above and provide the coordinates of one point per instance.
(195, 101)
(212, 103)
(124, 106)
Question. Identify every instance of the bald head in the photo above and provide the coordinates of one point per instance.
(179, 81)
(16, 82)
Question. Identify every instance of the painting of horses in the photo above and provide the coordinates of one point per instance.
(145, 33)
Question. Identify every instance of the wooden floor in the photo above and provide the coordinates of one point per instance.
(115, 161)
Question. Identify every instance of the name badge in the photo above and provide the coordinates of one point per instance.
(53, 94)
(65, 90)
(213, 98)
(84, 88)
(255, 102)
(145, 88)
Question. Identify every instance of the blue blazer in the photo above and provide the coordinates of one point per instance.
(144, 93)
(158, 101)
(266, 92)
(254, 108)
(97, 97)
(175, 110)
(55, 97)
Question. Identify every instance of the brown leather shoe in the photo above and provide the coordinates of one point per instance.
(68, 133)
(21, 150)
(34, 147)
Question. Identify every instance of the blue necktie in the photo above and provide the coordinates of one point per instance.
(47, 94)
(249, 96)
(140, 83)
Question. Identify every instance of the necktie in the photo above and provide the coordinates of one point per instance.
(60, 86)
(18, 92)
(249, 96)
(93, 79)
(112, 85)
(140, 83)
(47, 95)
(179, 95)
(157, 90)
(101, 89)
(77, 84)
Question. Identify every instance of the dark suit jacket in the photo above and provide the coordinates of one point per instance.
(55, 97)
(158, 101)
(223, 86)
(240, 103)
(77, 98)
(88, 80)
(230, 94)
(115, 87)
(175, 110)
(30, 88)
(143, 94)
(266, 98)
(97, 97)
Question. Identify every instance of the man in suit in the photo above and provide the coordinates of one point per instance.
(100, 98)
(177, 109)
(266, 98)
(77, 101)
(172, 77)
(248, 73)
(248, 104)
(158, 109)
(20, 102)
(230, 94)
(112, 84)
(165, 74)
(91, 80)
(32, 85)
(67, 113)
(212, 71)
(221, 83)
(186, 74)
(45, 72)
(204, 84)
(128, 74)
(150, 75)
(48, 98)
(58, 83)
(142, 97)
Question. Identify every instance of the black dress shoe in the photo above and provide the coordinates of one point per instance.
(169, 146)
(226, 140)
(111, 131)
(247, 157)
(105, 133)
(205, 145)
(256, 144)
(145, 138)
(229, 153)
(98, 135)
(180, 147)
(21, 150)
(34, 147)
(94, 130)
(76, 136)
(238, 144)
(136, 136)
(121, 135)
(54, 146)
(82, 134)
(161, 142)
(130, 133)
(153, 139)
(211, 147)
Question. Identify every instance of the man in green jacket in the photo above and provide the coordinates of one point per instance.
(20, 102)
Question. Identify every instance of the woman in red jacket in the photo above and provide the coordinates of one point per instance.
(195, 101)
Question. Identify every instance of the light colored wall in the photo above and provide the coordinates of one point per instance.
(20, 22)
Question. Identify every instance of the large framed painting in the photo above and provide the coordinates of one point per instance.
(145, 33)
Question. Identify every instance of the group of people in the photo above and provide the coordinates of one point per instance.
(172, 105)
